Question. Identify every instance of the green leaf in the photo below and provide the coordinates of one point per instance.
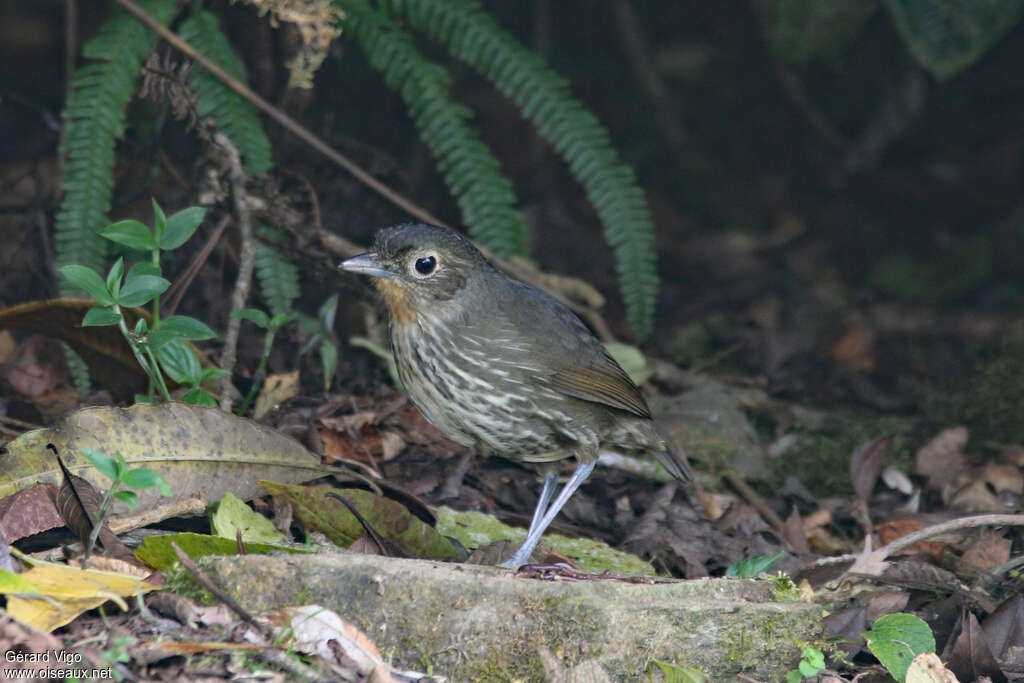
(141, 327)
(89, 280)
(896, 639)
(947, 37)
(179, 327)
(794, 676)
(144, 268)
(100, 317)
(157, 552)
(199, 397)
(130, 233)
(212, 373)
(106, 465)
(179, 362)
(751, 567)
(145, 478)
(253, 315)
(234, 515)
(181, 226)
(141, 289)
(329, 359)
(631, 359)
(327, 312)
(127, 497)
(280, 320)
(159, 223)
(677, 673)
(114, 277)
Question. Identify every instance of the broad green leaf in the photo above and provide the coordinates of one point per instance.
(179, 327)
(114, 277)
(199, 397)
(751, 567)
(896, 639)
(947, 37)
(145, 478)
(329, 359)
(127, 497)
(677, 673)
(181, 226)
(159, 222)
(280, 320)
(631, 359)
(144, 268)
(253, 315)
(156, 551)
(234, 515)
(106, 465)
(179, 362)
(212, 373)
(327, 312)
(89, 280)
(141, 289)
(316, 511)
(100, 317)
(130, 233)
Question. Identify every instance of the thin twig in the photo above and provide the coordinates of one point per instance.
(218, 592)
(750, 495)
(177, 290)
(286, 121)
(245, 265)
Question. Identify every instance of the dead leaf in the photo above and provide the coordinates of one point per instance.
(79, 503)
(941, 460)
(36, 368)
(928, 668)
(971, 658)
(200, 451)
(884, 601)
(277, 389)
(855, 350)
(898, 528)
(983, 554)
(986, 489)
(794, 532)
(28, 512)
(1004, 628)
(866, 463)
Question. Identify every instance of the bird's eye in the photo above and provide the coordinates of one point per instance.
(425, 265)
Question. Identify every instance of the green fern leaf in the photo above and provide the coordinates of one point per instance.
(236, 117)
(94, 120)
(473, 175)
(472, 35)
(277, 274)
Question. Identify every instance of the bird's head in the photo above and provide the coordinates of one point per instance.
(419, 267)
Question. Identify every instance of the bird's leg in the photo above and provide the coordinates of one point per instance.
(522, 556)
(546, 491)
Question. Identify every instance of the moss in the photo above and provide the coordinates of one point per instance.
(179, 580)
(990, 407)
(823, 457)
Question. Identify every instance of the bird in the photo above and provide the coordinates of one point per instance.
(502, 367)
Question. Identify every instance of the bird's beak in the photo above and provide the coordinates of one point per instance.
(367, 264)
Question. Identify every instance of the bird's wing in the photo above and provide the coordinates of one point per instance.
(568, 356)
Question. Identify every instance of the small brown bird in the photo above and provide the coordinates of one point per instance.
(500, 366)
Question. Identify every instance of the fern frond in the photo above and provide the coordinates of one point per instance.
(543, 97)
(94, 120)
(277, 274)
(473, 175)
(236, 117)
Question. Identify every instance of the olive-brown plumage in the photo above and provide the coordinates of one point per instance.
(500, 366)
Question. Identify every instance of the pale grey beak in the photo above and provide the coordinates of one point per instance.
(367, 264)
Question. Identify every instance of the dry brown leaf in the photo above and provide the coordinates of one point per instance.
(855, 350)
(991, 488)
(866, 463)
(898, 528)
(200, 451)
(28, 512)
(983, 554)
(928, 668)
(277, 389)
(941, 460)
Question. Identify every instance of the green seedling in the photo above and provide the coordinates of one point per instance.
(271, 325)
